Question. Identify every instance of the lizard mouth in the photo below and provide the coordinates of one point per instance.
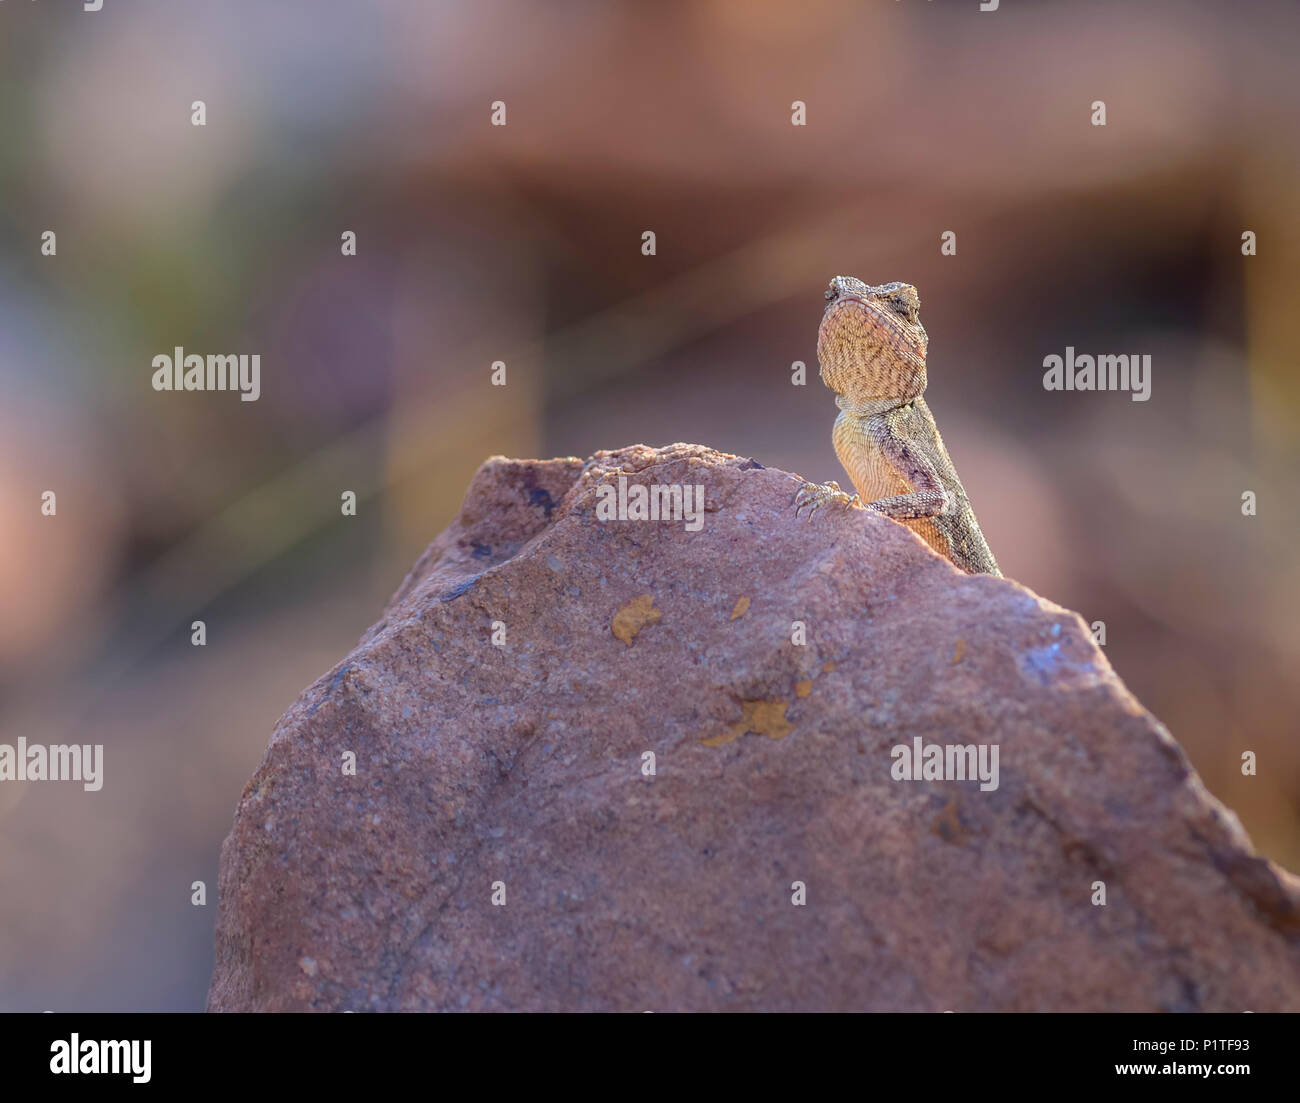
(843, 297)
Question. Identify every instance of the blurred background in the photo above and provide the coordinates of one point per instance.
(522, 243)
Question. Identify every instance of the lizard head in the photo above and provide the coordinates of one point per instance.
(871, 343)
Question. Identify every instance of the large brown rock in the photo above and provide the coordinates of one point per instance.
(523, 764)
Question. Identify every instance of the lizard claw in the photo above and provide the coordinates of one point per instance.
(816, 495)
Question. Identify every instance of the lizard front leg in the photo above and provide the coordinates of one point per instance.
(928, 498)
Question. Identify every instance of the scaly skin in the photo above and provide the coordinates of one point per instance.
(872, 348)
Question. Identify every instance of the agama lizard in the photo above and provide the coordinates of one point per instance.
(872, 348)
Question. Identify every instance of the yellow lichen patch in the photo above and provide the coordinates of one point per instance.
(760, 717)
(742, 607)
(634, 616)
(827, 666)
(949, 827)
(802, 689)
(959, 652)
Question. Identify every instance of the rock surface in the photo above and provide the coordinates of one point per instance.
(483, 769)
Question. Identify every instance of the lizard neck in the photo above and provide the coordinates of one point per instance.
(872, 406)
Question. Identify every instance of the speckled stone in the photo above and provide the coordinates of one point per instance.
(521, 769)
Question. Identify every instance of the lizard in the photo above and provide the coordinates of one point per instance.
(872, 347)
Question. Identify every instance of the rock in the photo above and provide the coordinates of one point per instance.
(519, 773)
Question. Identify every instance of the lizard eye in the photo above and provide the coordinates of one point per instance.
(906, 303)
(830, 293)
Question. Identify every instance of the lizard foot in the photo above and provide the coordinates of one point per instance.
(815, 495)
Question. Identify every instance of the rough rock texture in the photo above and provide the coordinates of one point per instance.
(523, 764)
